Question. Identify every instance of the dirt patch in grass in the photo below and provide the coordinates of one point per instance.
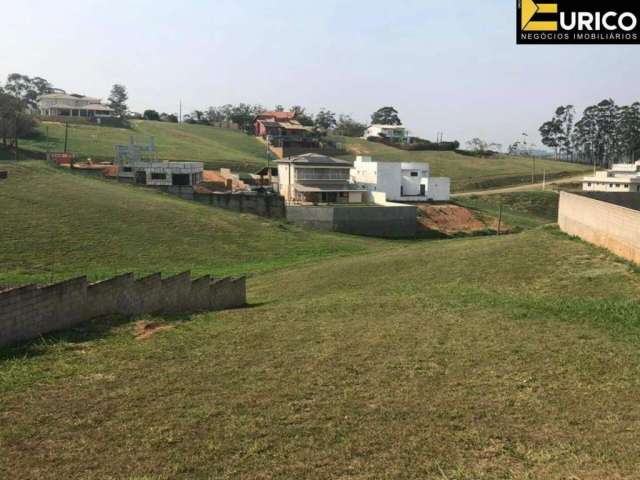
(454, 220)
(145, 329)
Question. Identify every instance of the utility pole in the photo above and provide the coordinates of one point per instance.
(66, 136)
(16, 136)
(180, 112)
(500, 218)
(544, 179)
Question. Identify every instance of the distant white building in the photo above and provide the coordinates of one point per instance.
(394, 133)
(401, 181)
(622, 177)
(79, 106)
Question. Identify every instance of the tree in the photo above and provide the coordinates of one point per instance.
(14, 121)
(348, 127)
(386, 116)
(551, 133)
(278, 108)
(243, 114)
(325, 119)
(26, 88)
(300, 114)
(198, 116)
(151, 115)
(481, 147)
(118, 100)
(171, 117)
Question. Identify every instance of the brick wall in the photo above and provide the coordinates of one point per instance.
(30, 311)
(603, 221)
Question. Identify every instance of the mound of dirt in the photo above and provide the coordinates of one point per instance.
(451, 220)
(145, 329)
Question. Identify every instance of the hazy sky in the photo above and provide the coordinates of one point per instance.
(446, 66)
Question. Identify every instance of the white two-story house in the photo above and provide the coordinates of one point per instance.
(401, 181)
(393, 133)
(622, 177)
(317, 179)
(79, 106)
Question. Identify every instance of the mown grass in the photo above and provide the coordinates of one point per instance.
(467, 173)
(56, 225)
(217, 147)
(512, 357)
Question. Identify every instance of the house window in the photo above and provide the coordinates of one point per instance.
(127, 169)
(414, 174)
(158, 176)
(588, 184)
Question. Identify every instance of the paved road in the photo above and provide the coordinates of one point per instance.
(522, 188)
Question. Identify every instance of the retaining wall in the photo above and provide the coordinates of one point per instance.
(270, 206)
(609, 220)
(30, 311)
(390, 221)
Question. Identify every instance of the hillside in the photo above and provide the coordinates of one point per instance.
(460, 351)
(217, 147)
(56, 225)
(467, 173)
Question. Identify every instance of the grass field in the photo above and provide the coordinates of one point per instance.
(217, 147)
(467, 173)
(56, 225)
(512, 357)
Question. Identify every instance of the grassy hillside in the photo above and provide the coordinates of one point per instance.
(215, 146)
(467, 173)
(512, 357)
(56, 224)
(219, 147)
(520, 209)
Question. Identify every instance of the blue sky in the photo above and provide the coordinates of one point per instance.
(446, 66)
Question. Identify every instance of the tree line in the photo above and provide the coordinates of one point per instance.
(243, 115)
(606, 133)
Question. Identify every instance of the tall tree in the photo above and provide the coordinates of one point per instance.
(386, 116)
(628, 131)
(118, 100)
(14, 121)
(26, 88)
(348, 127)
(151, 115)
(301, 115)
(325, 119)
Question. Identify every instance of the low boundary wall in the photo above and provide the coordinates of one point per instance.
(389, 221)
(609, 220)
(270, 206)
(30, 311)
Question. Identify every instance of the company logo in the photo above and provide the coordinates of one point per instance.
(578, 21)
(529, 9)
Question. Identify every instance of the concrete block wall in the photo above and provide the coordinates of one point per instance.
(270, 206)
(389, 221)
(30, 311)
(602, 223)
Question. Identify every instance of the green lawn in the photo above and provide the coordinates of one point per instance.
(467, 173)
(56, 224)
(519, 209)
(217, 147)
(512, 357)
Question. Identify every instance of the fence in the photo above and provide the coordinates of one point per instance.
(609, 220)
(31, 311)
